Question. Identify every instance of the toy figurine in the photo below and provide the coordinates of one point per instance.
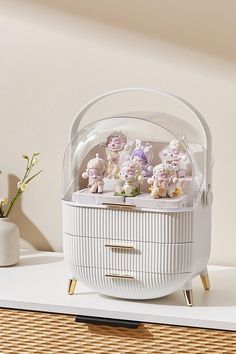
(115, 143)
(164, 181)
(142, 155)
(176, 155)
(131, 175)
(96, 171)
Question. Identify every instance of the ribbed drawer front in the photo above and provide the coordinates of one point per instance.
(147, 257)
(141, 286)
(145, 226)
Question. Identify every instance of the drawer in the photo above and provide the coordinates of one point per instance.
(129, 284)
(132, 225)
(129, 255)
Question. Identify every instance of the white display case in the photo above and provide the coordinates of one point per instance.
(137, 201)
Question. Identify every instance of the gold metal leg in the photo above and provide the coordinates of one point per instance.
(205, 281)
(188, 296)
(72, 286)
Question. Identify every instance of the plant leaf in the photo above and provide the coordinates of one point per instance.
(36, 174)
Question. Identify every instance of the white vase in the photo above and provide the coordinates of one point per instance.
(9, 243)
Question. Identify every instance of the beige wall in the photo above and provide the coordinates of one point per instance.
(56, 55)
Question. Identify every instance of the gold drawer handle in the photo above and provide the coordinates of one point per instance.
(117, 276)
(120, 247)
(119, 206)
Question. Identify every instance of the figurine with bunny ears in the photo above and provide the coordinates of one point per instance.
(142, 155)
(115, 143)
(96, 171)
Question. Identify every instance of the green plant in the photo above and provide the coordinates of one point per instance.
(22, 185)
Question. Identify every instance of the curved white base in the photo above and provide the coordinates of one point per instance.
(142, 286)
(158, 252)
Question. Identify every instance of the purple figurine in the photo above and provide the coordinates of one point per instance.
(142, 155)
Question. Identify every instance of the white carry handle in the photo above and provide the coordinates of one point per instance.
(192, 109)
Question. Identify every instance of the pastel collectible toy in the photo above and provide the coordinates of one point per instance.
(95, 172)
(176, 155)
(130, 173)
(116, 142)
(142, 155)
(119, 239)
(164, 181)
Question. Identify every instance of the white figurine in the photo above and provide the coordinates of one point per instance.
(130, 174)
(164, 181)
(176, 155)
(142, 155)
(115, 143)
(96, 171)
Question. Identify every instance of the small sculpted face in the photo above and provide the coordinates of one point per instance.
(128, 173)
(141, 162)
(116, 144)
(95, 174)
(175, 148)
(160, 175)
(164, 172)
(172, 154)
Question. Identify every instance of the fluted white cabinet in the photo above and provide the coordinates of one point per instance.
(135, 254)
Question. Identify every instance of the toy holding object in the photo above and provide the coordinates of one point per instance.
(164, 181)
(116, 142)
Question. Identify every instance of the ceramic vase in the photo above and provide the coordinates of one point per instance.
(9, 243)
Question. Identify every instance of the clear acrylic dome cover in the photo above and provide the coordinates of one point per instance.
(146, 159)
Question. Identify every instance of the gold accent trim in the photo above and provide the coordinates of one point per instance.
(72, 286)
(119, 206)
(122, 247)
(188, 296)
(205, 281)
(117, 276)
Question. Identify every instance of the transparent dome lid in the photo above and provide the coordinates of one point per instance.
(144, 159)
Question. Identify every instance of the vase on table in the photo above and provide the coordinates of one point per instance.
(9, 243)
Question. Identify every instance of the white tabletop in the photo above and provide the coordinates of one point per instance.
(39, 282)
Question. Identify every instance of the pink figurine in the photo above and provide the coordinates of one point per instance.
(142, 155)
(176, 155)
(95, 172)
(164, 181)
(131, 175)
(116, 142)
